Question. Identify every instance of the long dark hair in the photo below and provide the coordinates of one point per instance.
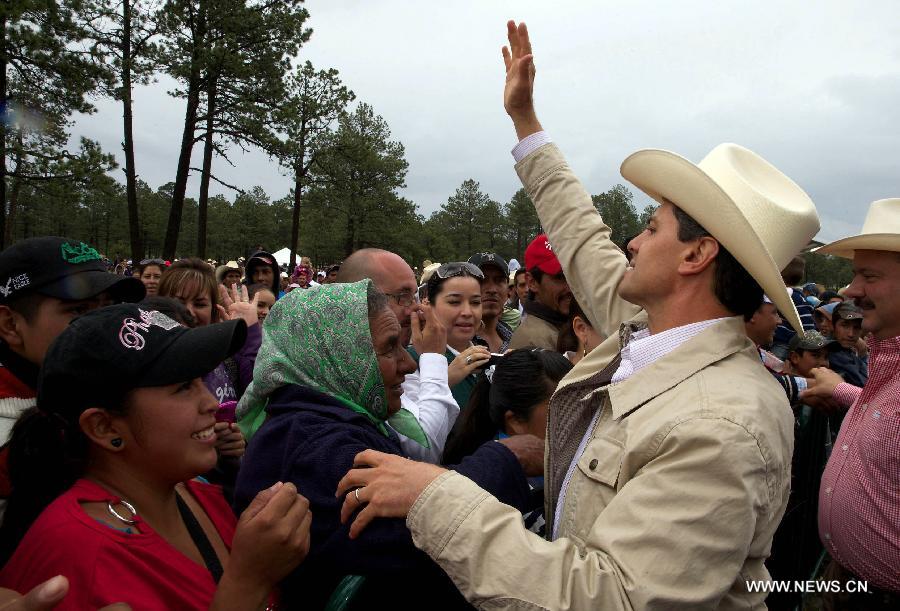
(48, 453)
(521, 381)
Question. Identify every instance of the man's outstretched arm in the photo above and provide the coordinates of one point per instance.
(593, 264)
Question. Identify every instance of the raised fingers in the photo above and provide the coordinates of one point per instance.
(512, 35)
(524, 40)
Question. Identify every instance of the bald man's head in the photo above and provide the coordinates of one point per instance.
(391, 275)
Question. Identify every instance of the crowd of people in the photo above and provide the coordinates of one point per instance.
(661, 426)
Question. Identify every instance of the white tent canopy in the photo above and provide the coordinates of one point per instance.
(283, 256)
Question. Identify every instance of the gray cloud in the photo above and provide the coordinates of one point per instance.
(813, 87)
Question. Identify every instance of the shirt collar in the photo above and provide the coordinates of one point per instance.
(643, 349)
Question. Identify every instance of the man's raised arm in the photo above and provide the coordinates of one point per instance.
(593, 264)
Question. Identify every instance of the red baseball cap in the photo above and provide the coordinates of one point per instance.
(540, 254)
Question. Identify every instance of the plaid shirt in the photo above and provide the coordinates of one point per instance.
(859, 499)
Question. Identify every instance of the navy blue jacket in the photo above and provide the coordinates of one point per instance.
(310, 439)
(851, 367)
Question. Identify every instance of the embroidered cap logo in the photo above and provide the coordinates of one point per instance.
(78, 253)
(129, 334)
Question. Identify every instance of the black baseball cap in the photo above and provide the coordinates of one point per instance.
(110, 351)
(483, 259)
(61, 268)
(847, 311)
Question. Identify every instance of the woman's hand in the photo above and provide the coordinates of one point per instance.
(241, 306)
(230, 441)
(465, 363)
(271, 539)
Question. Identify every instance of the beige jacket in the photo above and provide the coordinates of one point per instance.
(535, 332)
(685, 478)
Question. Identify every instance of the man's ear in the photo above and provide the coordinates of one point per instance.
(100, 427)
(531, 282)
(10, 323)
(698, 255)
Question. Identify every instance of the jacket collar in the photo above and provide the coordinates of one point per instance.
(709, 346)
(533, 307)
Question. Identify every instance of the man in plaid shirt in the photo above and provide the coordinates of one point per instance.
(859, 499)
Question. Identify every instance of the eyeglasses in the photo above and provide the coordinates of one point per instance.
(404, 299)
(458, 268)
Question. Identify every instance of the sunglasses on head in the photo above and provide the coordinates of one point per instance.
(458, 268)
(159, 262)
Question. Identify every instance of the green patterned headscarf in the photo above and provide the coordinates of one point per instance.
(320, 338)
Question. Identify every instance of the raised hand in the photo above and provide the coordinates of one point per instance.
(430, 336)
(518, 94)
(242, 306)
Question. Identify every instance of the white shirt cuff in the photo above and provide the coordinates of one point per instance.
(529, 144)
(433, 367)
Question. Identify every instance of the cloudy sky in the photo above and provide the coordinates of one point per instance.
(814, 87)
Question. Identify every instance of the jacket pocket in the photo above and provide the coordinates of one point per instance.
(602, 460)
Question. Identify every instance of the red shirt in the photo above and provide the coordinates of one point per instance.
(105, 565)
(859, 499)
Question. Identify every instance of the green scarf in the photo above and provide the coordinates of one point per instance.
(320, 338)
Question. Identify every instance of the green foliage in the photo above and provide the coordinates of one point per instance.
(357, 176)
(48, 71)
(833, 272)
(616, 208)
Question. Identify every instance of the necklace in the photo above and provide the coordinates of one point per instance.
(112, 510)
(207, 552)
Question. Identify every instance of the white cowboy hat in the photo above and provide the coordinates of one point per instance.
(760, 215)
(880, 231)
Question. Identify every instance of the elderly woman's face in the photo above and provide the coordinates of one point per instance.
(394, 361)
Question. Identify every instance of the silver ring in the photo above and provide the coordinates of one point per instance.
(469, 360)
(356, 494)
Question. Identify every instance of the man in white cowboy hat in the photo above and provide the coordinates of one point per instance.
(668, 451)
(859, 498)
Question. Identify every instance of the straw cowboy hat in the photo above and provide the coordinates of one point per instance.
(760, 215)
(881, 231)
(224, 269)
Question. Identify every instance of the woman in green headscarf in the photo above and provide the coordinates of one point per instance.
(327, 378)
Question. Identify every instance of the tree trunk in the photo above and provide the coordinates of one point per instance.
(203, 201)
(350, 238)
(194, 84)
(295, 216)
(5, 111)
(134, 223)
(184, 167)
(9, 229)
